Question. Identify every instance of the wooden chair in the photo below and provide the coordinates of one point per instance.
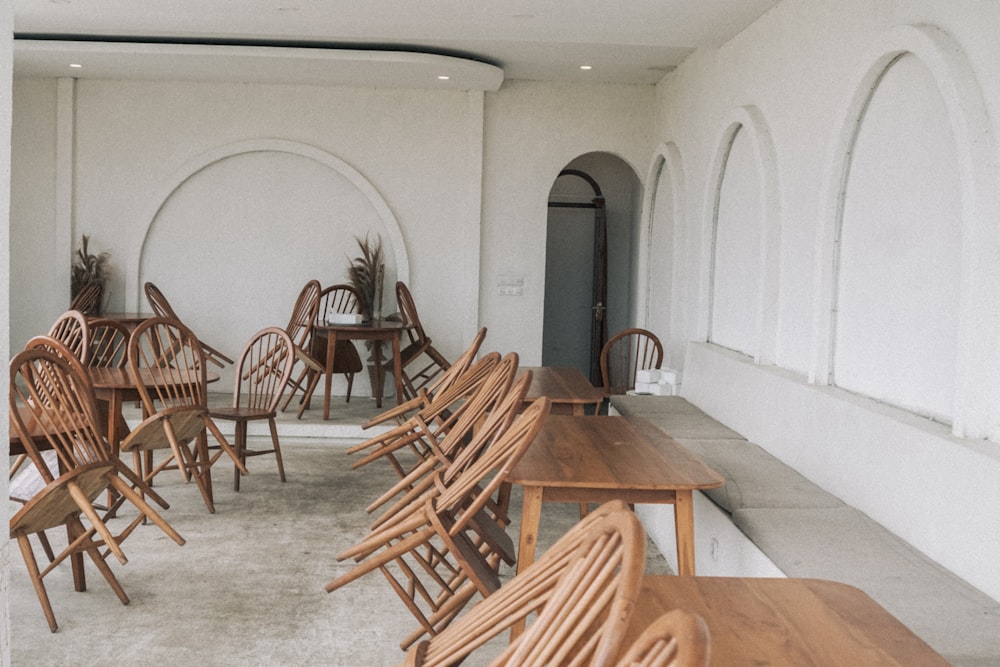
(421, 431)
(52, 409)
(108, 349)
(88, 299)
(678, 638)
(481, 415)
(625, 353)
(582, 591)
(158, 302)
(173, 389)
(432, 551)
(300, 329)
(346, 360)
(72, 330)
(261, 375)
(419, 353)
(400, 412)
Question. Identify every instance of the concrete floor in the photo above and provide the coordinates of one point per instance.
(247, 587)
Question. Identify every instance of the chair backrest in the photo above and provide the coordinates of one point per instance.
(625, 353)
(168, 365)
(304, 314)
(340, 298)
(582, 588)
(678, 638)
(158, 302)
(52, 407)
(88, 299)
(408, 311)
(263, 369)
(71, 329)
(108, 344)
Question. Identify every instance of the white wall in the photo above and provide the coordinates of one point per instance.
(801, 81)
(533, 130)
(6, 58)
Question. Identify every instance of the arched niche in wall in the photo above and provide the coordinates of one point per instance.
(741, 274)
(242, 228)
(907, 303)
(661, 260)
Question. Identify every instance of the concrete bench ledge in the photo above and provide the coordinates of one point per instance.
(807, 532)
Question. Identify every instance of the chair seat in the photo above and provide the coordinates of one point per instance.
(345, 356)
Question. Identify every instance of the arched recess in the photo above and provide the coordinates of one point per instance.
(763, 259)
(390, 225)
(977, 361)
(661, 262)
(238, 230)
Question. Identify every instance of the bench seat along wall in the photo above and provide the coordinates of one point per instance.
(788, 100)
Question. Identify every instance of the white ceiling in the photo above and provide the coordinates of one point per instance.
(629, 41)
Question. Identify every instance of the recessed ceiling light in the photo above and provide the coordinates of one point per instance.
(444, 77)
(586, 67)
(75, 65)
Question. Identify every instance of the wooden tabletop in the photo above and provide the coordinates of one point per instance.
(602, 452)
(596, 459)
(564, 386)
(794, 622)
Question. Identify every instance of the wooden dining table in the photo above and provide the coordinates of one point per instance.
(130, 319)
(594, 459)
(379, 331)
(784, 622)
(567, 388)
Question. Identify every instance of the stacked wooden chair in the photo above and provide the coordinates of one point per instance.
(300, 330)
(158, 302)
(678, 638)
(420, 361)
(580, 594)
(72, 330)
(346, 360)
(443, 544)
(406, 408)
(88, 299)
(52, 409)
(167, 363)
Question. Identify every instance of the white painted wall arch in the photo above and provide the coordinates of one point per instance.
(750, 121)
(977, 362)
(390, 225)
(661, 260)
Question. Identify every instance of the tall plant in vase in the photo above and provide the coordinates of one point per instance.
(366, 274)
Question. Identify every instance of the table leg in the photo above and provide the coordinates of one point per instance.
(531, 514)
(379, 374)
(684, 529)
(397, 368)
(331, 349)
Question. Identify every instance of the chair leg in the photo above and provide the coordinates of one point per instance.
(102, 565)
(307, 396)
(294, 386)
(240, 447)
(277, 449)
(44, 540)
(350, 383)
(36, 578)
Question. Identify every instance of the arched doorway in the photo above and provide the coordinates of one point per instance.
(589, 273)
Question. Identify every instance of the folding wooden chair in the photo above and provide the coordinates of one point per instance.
(582, 591)
(52, 408)
(261, 375)
(158, 302)
(167, 364)
(432, 552)
(625, 353)
(420, 353)
(678, 638)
